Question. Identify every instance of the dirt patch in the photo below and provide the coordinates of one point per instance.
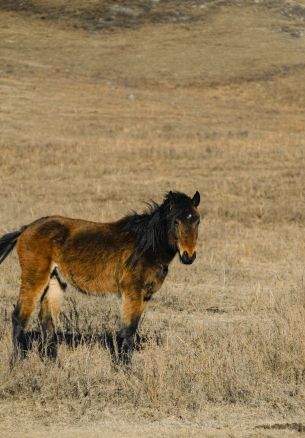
(110, 15)
(298, 427)
(297, 11)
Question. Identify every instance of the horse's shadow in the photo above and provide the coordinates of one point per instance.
(111, 341)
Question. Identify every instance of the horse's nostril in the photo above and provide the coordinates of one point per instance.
(186, 259)
(185, 256)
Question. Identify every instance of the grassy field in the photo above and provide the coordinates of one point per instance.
(105, 105)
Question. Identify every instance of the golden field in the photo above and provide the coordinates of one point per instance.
(106, 105)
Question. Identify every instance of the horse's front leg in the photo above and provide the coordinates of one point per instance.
(132, 309)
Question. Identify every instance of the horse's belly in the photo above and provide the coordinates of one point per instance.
(92, 279)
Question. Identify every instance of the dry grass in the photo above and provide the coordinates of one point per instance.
(94, 123)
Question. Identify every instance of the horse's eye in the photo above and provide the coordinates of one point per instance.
(189, 216)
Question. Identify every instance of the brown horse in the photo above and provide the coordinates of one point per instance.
(129, 257)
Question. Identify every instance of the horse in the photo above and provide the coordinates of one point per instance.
(129, 257)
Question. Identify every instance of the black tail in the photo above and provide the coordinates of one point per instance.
(7, 243)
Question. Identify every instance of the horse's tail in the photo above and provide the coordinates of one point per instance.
(8, 241)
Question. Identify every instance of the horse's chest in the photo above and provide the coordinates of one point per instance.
(153, 280)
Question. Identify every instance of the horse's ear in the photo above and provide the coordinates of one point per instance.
(171, 199)
(196, 199)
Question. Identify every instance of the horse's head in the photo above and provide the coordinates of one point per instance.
(183, 230)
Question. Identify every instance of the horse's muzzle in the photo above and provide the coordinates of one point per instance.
(186, 259)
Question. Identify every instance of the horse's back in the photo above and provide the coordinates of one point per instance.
(44, 237)
(88, 254)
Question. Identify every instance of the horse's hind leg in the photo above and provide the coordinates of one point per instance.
(33, 282)
(50, 306)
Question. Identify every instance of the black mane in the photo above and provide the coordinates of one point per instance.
(152, 228)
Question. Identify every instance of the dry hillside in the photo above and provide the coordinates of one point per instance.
(104, 105)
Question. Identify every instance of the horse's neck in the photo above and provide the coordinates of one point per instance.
(165, 254)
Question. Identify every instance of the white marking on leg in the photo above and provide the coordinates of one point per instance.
(55, 298)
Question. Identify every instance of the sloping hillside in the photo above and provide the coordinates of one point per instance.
(104, 105)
